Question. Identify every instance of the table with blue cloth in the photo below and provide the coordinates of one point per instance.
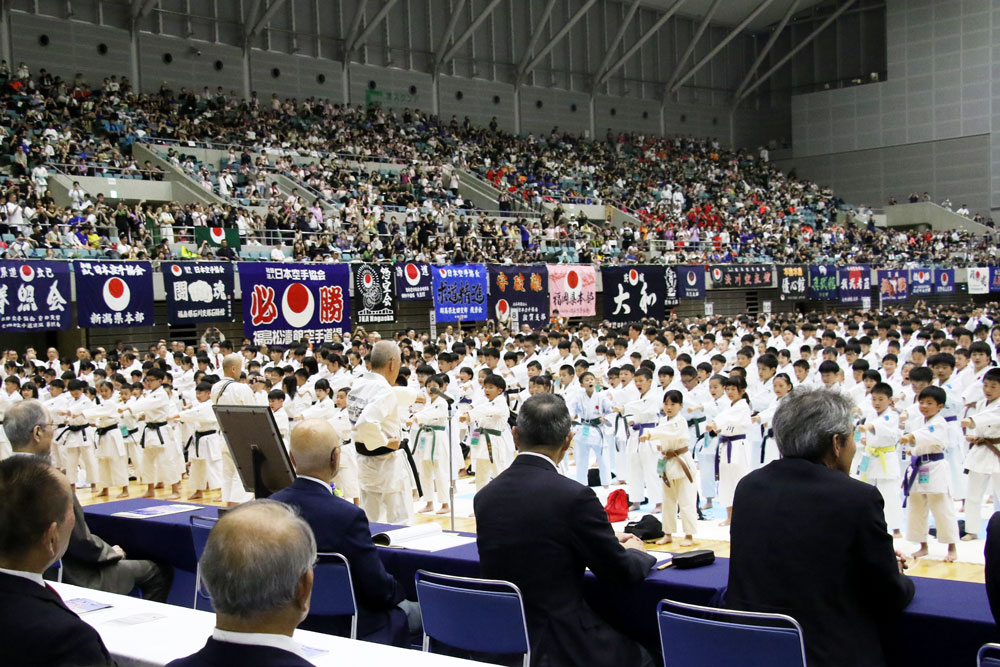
(944, 625)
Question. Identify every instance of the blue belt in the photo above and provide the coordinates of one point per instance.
(465, 400)
(951, 419)
(912, 470)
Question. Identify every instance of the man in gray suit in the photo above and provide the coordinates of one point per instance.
(89, 561)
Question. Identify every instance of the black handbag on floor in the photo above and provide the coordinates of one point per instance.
(646, 528)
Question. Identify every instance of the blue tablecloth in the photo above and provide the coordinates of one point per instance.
(944, 625)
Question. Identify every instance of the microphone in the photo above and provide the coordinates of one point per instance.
(438, 392)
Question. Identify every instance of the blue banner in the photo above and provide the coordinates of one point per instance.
(520, 289)
(34, 296)
(893, 285)
(823, 284)
(114, 294)
(855, 283)
(632, 293)
(460, 293)
(792, 281)
(741, 276)
(994, 279)
(944, 281)
(692, 282)
(198, 292)
(413, 281)
(921, 281)
(285, 303)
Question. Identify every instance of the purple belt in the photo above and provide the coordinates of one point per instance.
(641, 428)
(951, 419)
(912, 470)
(727, 440)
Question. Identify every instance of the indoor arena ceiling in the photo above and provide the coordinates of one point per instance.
(731, 12)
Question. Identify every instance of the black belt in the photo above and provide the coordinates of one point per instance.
(382, 451)
(198, 435)
(155, 426)
(591, 422)
(104, 430)
(72, 428)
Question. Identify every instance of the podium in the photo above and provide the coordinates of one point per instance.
(252, 436)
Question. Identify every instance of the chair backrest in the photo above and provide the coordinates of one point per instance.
(696, 636)
(333, 589)
(483, 615)
(988, 656)
(58, 567)
(201, 526)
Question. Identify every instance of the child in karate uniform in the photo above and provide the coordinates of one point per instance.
(432, 450)
(708, 446)
(490, 439)
(276, 402)
(880, 462)
(732, 425)
(591, 409)
(781, 384)
(346, 479)
(112, 459)
(75, 437)
(205, 450)
(926, 483)
(983, 460)
(676, 469)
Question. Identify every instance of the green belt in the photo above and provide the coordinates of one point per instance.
(489, 443)
(696, 422)
(589, 422)
(433, 431)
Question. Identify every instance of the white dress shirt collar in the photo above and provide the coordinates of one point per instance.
(282, 642)
(541, 456)
(30, 576)
(325, 485)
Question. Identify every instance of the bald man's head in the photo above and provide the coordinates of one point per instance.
(232, 365)
(312, 446)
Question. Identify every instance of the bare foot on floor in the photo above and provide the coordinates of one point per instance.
(102, 494)
(444, 510)
(687, 542)
(950, 557)
(725, 522)
(197, 495)
(150, 494)
(173, 496)
(969, 537)
(919, 553)
(666, 539)
(429, 507)
(123, 494)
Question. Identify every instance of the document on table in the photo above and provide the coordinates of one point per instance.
(425, 537)
(157, 510)
(83, 605)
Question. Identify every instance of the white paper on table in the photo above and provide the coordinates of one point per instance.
(157, 510)
(136, 619)
(424, 537)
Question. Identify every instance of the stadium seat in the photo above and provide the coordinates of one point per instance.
(8, 238)
(333, 589)
(201, 526)
(481, 615)
(988, 656)
(695, 636)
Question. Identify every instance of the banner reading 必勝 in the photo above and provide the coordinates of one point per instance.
(284, 304)
(823, 282)
(198, 292)
(34, 296)
(944, 281)
(460, 293)
(892, 285)
(216, 235)
(855, 283)
(520, 290)
(114, 293)
(413, 281)
(374, 293)
(632, 293)
(979, 279)
(692, 279)
(572, 290)
(921, 281)
(792, 281)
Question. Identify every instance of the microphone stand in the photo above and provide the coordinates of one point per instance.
(451, 454)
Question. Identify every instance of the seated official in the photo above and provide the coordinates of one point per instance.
(992, 569)
(384, 616)
(811, 542)
(89, 561)
(257, 568)
(36, 519)
(540, 530)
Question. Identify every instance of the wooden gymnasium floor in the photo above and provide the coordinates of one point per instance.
(925, 567)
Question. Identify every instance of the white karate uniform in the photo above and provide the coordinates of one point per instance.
(205, 448)
(983, 465)
(672, 435)
(6, 401)
(880, 462)
(439, 461)
(491, 444)
(733, 424)
(932, 487)
(112, 458)
(958, 446)
(230, 392)
(641, 457)
(77, 441)
(160, 449)
(593, 434)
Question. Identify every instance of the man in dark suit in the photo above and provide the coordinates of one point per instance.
(89, 561)
(811, 542)
(541, 530)
(36, 518)
(341, 527)
(992, 552)
(257, 566)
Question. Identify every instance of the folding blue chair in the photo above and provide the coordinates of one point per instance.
(482, 615)
(333, 589)
(201, 526)
(988, 656)
(58, 567)
(695, 636)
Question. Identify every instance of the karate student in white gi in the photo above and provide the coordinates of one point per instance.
(943, 367)
(127, 396)
(432, 450)
(879, 466)
(160, 450)
(230, 391)
(983, 460)
(732, 425)
(276, 402)
(591, 409)
(345, 480)
(74, 438)
(10, 395)
(112, 458)
(642, 413)
(490, 441)
(205, 447)
(707, 446)
(926, 482)
(675, 469)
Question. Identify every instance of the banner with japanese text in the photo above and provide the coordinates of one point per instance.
(979, 279)
(994, 279)
(572, 290)
(460, 293)
(793, 282)
(944, 281)
(284, 304)
(374, 293)
(741, 276)
(114, 294)
(892, 285)
(198, 292)
(413, 281)
(34, 296)
(692, 281)
(632, 293)
(921, 281)
(522, 290)
(671, 282)
(855, 283)
(823, 283)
